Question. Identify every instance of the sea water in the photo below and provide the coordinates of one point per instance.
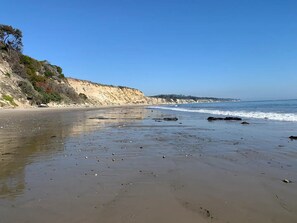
(277, 110)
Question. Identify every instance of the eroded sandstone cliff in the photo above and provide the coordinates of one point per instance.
(98, 94)
(19, 91)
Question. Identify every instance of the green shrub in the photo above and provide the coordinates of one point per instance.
(9, 99)
(31, 65)
(48, 97)
(61, 76)
(48, 73)
(26, 88)
(83, 96)
(7, 74)
(30, 62)
(36, 78)
(59, 69)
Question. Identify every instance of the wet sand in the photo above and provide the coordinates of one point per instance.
(121, 165)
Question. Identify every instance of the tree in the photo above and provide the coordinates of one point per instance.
(11, 38)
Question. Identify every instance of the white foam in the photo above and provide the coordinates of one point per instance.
(290, 117)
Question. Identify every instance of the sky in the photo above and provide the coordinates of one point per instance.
(243, 49)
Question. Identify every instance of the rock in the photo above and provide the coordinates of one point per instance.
(42, 106)
(101, 118)
(287, 181)
(225, 119)
(245, 123)
(214, 119)
(170, 119)
(163, 157)
(293, 137)
(232, 119)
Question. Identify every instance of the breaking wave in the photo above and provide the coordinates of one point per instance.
(290, 117)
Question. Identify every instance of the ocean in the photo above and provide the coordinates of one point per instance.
(277, 110)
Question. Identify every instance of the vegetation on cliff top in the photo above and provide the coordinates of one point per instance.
(11, 38)
(40, 81)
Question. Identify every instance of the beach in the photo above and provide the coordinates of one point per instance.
(128, 164)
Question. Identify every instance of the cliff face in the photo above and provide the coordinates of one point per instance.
(10, 94)
(26, 82)
(97, 94)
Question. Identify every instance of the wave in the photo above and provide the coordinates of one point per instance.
(290, 117)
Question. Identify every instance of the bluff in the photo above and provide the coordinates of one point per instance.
(26, 82)
(99, 94)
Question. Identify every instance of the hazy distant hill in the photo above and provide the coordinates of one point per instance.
(194, 98)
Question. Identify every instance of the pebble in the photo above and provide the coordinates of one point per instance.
(163, 157)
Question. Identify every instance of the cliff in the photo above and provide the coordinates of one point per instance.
(98, 94)
(26, 82)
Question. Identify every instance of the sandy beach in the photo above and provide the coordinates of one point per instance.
(126, 164)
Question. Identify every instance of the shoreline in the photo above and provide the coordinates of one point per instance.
(70, 108)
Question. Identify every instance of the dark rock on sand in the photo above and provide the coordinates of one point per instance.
(170, 119)
(287, 181)
(232, 119)
(214, 119)
(245, 123)
(100, 118)
(293, 137)
(225, 119)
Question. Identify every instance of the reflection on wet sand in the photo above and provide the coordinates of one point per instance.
(37, 135)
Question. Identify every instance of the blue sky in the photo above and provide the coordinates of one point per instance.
(223, 48)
